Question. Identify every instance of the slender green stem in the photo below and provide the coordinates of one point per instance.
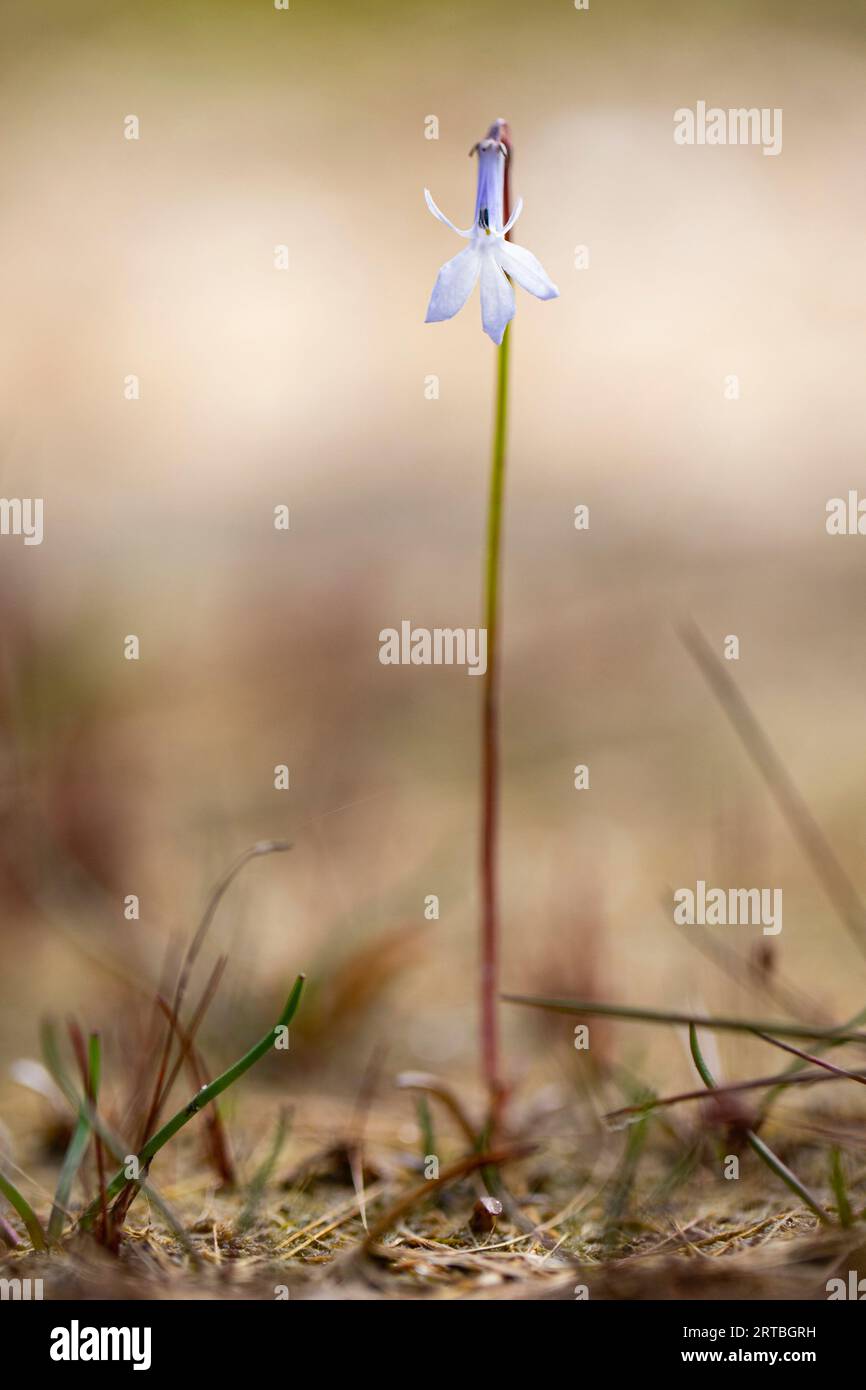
(198, 1102)
(698, 1058)
(853, 1022)
(116, 1146)
(262, 1176)
(497, 490)
(590, 1008)
(490, 753)
(25, 1211)
(77, 1144)
(425, 1126)
(837, 1182)
(764, 1152)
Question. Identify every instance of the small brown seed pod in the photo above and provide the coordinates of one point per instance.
(483, 1219)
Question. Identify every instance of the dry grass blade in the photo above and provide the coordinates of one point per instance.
(186, 1036)
(470, 1163)
(355, 1147)
(114, 1144)
(220, 1153)
(838, 885)
(781, 1079)
(763, 1150)
(433, 1086)
(810, 1057)
(255, 851)
(199, 1101)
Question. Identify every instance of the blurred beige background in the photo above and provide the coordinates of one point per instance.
(305, 387)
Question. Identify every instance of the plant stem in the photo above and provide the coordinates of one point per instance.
(591, 1009)
(77, 1144)
(490, 756)
(115, 1145)
(837, 884)
(198, 1102)
(764, 1152)
(25, 1211)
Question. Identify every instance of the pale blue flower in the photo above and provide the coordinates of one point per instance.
(488, 257)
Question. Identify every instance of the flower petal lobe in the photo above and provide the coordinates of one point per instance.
(497, 299)
(438, 213)
(526, 271)
(454, 284)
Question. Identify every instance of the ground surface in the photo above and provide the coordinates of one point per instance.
(611, 1223)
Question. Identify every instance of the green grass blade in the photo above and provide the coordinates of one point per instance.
(837, 1182)
(198, 1102)
(784, 1172)
(698, 1058)
(116, 1146)
(25, 1211)
(624, 1178)
(853, 1022)
(425, 1125)
(764, 1152)
(590, 1008)
(262, 1175)
(77, 1145)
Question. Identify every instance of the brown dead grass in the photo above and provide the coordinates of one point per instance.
(709, 1238)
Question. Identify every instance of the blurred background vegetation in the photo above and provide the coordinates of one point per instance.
(306, 387)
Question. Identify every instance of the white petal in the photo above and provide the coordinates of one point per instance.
(514, 216)
(497, 300)
(529, 274)
(454, 284)
(437, 212)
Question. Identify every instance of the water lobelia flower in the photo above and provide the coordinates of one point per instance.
(489, 256)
